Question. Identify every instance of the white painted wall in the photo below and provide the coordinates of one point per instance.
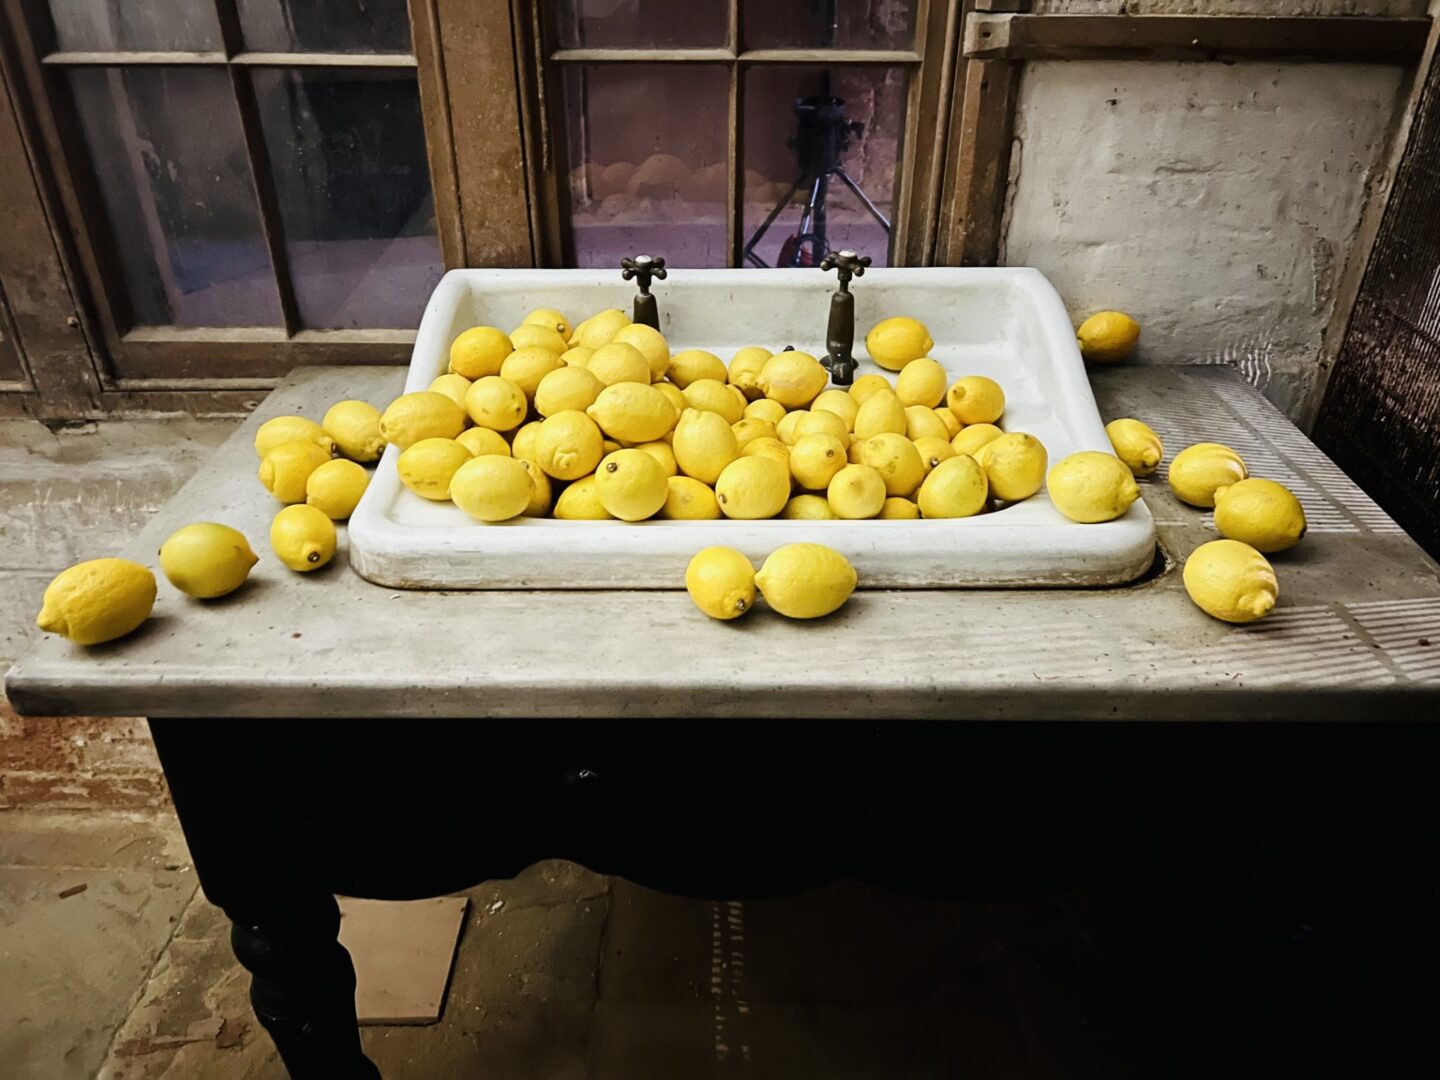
(1213, 202)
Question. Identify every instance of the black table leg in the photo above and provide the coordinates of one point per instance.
(241, 791)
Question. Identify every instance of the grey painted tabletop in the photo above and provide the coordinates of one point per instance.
(1356, 634)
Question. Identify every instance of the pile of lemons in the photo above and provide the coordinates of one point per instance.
(1228, 578)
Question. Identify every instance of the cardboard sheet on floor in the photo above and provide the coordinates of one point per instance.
(403, 951)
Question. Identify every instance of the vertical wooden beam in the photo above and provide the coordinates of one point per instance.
(439, 145)
(925, 156)
(735, 146)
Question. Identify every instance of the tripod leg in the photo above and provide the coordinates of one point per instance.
(865, 199)
(759, 233)
(814, 209)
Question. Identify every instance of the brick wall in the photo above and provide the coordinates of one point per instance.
(77, 762)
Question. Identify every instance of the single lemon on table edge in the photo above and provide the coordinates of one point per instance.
(302, 538)
(721, 582)
(1231, 581)
(1198, 471)
(355, 428)
(207, 559)
(284, 429)
(806, 581)
(285, 470)
(97, 601)
(337, 487)
(1261, 513)
(1136, 444)
(1107, 337)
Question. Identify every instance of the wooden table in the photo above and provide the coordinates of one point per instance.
(782, 755)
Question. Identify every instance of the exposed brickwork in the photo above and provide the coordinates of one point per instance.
(77, 762)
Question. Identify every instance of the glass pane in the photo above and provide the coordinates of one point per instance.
(829, 24)
(166, 146)
(347, 149)
(809, 134)
(162, 25)
(648, 145)
(363, 26)
(666, 24)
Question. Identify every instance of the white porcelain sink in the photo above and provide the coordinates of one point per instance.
(1005, 323)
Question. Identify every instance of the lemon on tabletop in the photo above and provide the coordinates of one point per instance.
(286, 468)
(806, 581)
(689, 500)
(750, 488)
(808, 508)
(207, 559)
(1198, 471)
(898, 509)
(1261, 513)
(426, 467)
(1091, 487)
(283, 429)
(745, 368)
(632, 485)
(976, 399)
(492, 488)
(634, 412)
(704, 445)
(921, 382)
(881, 412)
(692, 364)
(568, 445)
(866, 385)
(580, 501)
(355, 428)
(792, 378)
(97, 601)
(452, 386)
(956, 488)
(422, 415)
(1107, 337)
(303, 538)
(336, 487)
(892, 343)
(1136, 444)
(972, 437)
(496, 403)
(538, 336)
(897, 461)
(856, 492)
(650, 343)
(721, 582)
(1231, 581)
(526, 367)
(547, 316)
(480, 351)
(1014, 465)
(567, 388)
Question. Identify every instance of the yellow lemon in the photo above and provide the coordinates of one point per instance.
(207, 559)
(709, 395)
(955, 488)
(839, 402)
(285, 469)
(578, 356)
(619, 363)
(785, 429)
(480, 440)
(1092, 487)
(853, 453)
(765, 446)
(856, 492)
(568, 445)
(750, 488)
(427, 467)
(765, 409)
(496, 403)
(808, 508)
(897, 461)
(1231, 581)
(548, 316)
(881, 413)
(479, 351)
(567, 388)
(662, 452)
(336, 488)
(704, 445)
(692, 364)
(536, 336)
(492, 488)
(976, 399)
(673, 394)
(522, 443)
(921, 423)
(806, 581)
(1261, 513)
(600, 329)
(303, 538)
(972, 438)
(947, 419)
(1136, 444)
(898, 509)
(794, 379)
(745, 368)
(650, 343)
(424, 415)
(632, 485)
(921, 382)
(539, 504)
(1107, 337)
(581, 502)
(97, 601)
(895, 342)
(815, 459)
(355, 428)
(634, 412)
(817, 423)
(526, 367)
(1199, 470)
(933, 451)
(866, 385)
(452, 386)
(283, 429)
(721, 581)
(752, 427)
(1014, 465)
(689, 500)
